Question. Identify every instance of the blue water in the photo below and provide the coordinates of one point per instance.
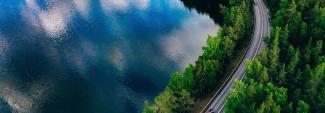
(93, 56)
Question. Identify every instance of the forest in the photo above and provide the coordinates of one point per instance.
(289, 75)
(200, 79)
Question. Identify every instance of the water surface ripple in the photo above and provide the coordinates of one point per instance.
(93, 56)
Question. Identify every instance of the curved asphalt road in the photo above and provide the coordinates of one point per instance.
(262, 29)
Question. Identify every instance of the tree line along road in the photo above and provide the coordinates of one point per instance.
(261, 29)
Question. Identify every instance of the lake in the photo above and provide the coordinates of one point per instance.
(93, 56)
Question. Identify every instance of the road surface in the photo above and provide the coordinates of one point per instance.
(261, 29)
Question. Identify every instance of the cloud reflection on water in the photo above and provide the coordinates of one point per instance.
(54, 19)
(184, 45)
(83, 7)
(116, 51)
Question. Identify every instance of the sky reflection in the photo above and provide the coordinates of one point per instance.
(93, 55)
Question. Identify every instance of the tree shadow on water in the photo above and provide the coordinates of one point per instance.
(209, 7)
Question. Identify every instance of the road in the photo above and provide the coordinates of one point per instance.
(261, 29)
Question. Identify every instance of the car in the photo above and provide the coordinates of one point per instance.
(210, 111)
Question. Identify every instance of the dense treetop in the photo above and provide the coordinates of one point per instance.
(289, 76)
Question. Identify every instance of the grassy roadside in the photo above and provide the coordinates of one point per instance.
(240, 52)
